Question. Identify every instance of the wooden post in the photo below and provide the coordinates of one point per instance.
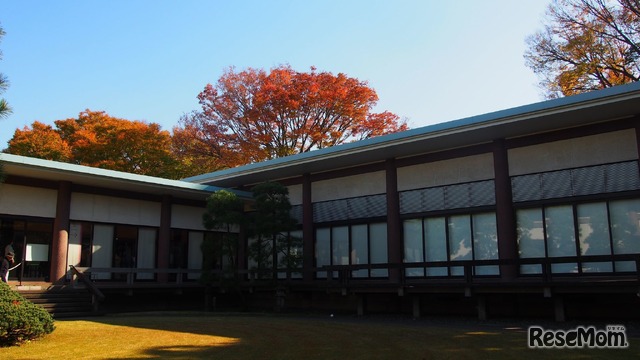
(361, 304)
(308, 245)
(164, 238)
(558, 307)
(482, 307)
(416, 306)
(394, 225)
(60, 243)
(505, 215)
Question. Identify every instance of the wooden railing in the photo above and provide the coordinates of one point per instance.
(343, 275)
(96, 295)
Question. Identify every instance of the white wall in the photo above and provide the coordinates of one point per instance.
(349, 186)
(29, 201)
(187, 217)
(445, 172)
(584, 151)
(295, 194)
(108, 209)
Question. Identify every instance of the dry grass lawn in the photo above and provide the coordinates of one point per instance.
(242, 336)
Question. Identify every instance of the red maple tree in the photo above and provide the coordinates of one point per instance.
(254, 115)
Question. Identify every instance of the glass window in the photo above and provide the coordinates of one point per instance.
(124, 249)
(378, 247)
(413, 246)
(74, 246)
(601, 228)
(485, 242)
(102, 250)
(359, 249)
(435, 236)
(252, 263)
(625, 230)
(459, 241)
(146, 258)
(38, 250)
(593, 235)
(212, 256)
(195, 253)
(453, 238)
(561, 239)
(530, 238)
(290, 254)
(323, 249)
(352, 245)
(340, 245)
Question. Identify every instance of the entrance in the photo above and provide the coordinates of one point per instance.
(31, 241)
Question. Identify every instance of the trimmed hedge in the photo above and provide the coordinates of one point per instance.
(20, 319)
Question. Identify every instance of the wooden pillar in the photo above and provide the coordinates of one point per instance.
(60, 241)
(308, 246)
(243, 251)
(362, 303)
(482, 307)
(505, 214)
(638, 137)
(416, 306)
(164, 238)
(394, 226)
(558, 307)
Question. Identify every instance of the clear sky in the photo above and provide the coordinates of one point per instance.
(429, 61)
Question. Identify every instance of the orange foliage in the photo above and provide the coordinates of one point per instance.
(252, 115)
(40, 141)
(99, 140)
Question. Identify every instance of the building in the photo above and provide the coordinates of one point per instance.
(528, 211)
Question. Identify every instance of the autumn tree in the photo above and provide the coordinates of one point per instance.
(586, 45)
(40, 141)
(198, 149)
(99, 140)
(255, 115)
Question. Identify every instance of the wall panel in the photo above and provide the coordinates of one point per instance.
(27, 201)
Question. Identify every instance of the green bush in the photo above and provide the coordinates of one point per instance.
(20, 319)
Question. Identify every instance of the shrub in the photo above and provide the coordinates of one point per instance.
(20, 319)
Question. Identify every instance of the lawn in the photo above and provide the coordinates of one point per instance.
(259, 336)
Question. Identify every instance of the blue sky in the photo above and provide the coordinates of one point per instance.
(429, 61)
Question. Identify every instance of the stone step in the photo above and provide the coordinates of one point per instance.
(61, 302)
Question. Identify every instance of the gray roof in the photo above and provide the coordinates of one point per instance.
(102, 178)
(611, 103)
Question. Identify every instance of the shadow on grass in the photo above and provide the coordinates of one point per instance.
(312, 337)
(178, 352)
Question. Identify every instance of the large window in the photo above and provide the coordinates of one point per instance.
(31, 242)
(198, 250)
(451, 238)
(113, 246)
(289, 250)
(286, 247)
(353, 245)
(598, 228)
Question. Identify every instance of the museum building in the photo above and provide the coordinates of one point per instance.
(528, 211)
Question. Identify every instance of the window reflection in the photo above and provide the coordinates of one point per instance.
(453, 238)
(352, 245)
(602, 228)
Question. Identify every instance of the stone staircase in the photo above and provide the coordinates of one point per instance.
(61, 302)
